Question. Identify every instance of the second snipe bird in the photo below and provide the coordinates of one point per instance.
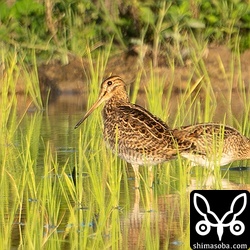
(132, 132)
(212, 144)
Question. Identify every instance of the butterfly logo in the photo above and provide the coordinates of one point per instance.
(203, 227)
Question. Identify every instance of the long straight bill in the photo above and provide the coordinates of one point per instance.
(95, 105)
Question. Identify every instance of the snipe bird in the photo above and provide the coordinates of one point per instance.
(212, 144)
(131, 131)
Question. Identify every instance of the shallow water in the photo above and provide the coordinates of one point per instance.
(161, 213)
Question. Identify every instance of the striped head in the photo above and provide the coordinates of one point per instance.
(111, 87)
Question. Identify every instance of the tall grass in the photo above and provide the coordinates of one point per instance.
(20, 78)
(32, 87)
(8, 98)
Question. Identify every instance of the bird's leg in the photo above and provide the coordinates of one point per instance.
(151, 176)
(137, 176)
(135, 212)
(137, 198)
(150, 192)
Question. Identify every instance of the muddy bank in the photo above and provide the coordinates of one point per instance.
(72, 78)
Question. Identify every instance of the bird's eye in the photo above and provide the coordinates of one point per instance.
(109, 83)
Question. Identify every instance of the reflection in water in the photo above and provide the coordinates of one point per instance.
(158, 216)
(163, 221)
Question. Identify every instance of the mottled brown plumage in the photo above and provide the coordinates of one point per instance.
(212, 144)
(139, 137)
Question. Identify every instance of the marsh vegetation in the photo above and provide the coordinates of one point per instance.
(171, 68)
